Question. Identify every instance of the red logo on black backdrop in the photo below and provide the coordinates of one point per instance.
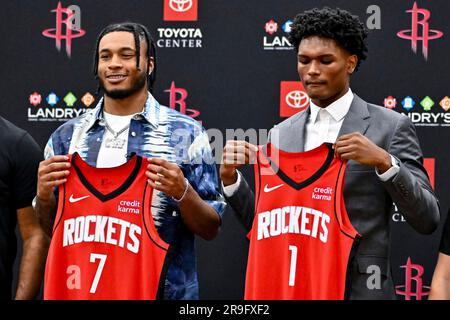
(414, 35)
(293, 98)
(180, 10)
(71, 29)
(409, 290)
(429, 164)
(390, 102)
(35, 99)
(271, 27)
(177, 97)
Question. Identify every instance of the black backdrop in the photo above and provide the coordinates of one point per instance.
(233, 79)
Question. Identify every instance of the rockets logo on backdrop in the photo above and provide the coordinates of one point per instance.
(67, 27)
(413, 286)
(177, 101)
(420, 30)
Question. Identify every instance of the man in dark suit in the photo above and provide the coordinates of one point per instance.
(381, 146)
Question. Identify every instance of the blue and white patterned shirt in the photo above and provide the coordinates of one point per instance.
(158, 132)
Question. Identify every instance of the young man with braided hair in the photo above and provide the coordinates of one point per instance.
(128, 119)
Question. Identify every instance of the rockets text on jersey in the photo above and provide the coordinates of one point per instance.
(301, 239)
(105, 244)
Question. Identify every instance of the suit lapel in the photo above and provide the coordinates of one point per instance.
(357, 118)
(290, 134)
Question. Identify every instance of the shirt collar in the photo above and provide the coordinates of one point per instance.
(338, 109)
(150, 112)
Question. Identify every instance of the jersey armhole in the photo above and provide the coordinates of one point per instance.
(60, 206)
(257, 170)
(341, 211)
(148, 220)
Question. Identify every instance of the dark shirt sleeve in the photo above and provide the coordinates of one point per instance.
(445, 240)
(26, 157)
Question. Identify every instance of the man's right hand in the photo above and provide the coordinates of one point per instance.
(51, 173)
(235, 154)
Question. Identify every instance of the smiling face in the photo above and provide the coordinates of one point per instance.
(118, 75)
(324, 68)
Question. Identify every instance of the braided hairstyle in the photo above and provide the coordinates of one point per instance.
(139, 32)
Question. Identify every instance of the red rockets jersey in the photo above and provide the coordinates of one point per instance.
(105, 244)
(301, 238)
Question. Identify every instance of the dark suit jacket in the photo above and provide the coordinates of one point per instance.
(368, 200)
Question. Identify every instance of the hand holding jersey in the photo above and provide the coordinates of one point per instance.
(355, 146)
(52, 173)
(167, 177)
(235, 154)
(163, 176)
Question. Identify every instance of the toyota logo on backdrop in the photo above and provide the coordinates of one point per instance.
(297, 99)
(180, 5)
(293, 98)
(180, 10)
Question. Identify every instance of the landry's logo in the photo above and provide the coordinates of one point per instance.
(273, 40)
(177, 98)
(57, 109)
(413, 287)
(293, 98)
(424, 111)
(180, 10)
(419, 21)
(66, 29)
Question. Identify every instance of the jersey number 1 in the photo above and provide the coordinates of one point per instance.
(293, 266)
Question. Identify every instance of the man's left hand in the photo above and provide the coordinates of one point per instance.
(355, 146)
(166, 177)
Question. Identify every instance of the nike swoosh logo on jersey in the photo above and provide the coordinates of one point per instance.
(72, 199)
(267, 189)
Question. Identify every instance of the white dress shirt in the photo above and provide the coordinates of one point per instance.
(323, 125)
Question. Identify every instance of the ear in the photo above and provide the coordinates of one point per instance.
(352, 62)
(151, 65)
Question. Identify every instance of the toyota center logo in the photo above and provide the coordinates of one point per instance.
(293, 98)
(180, 10)
(180, 5)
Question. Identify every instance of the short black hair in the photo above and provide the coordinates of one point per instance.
(337, 24)
(139, 32)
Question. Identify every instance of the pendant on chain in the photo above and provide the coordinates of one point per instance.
(114, 143)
